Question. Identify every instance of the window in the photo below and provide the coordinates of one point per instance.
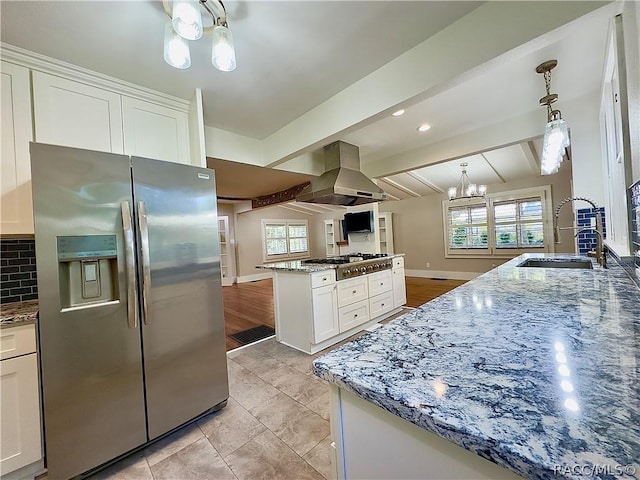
(501, 224)
(285, 239)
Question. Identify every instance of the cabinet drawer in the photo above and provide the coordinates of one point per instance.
(353, 315)
(16, 341)
(351, 291)
(326, 277)
(380, 304)
(398, 262)
(379, 282)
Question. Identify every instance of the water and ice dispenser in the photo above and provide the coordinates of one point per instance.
(88, 270)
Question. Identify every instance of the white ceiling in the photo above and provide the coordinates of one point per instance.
(294, 55)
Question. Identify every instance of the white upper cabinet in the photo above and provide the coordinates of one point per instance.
(16, 210)
(154, 131)
(74, 114)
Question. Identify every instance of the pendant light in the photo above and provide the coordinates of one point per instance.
(223, 55)
(466, 189)
(556, 133)
(187, 19)
(176, 48)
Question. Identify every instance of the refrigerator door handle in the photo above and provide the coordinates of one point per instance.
(130, 253)
(146, 271)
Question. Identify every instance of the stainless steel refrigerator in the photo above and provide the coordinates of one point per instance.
(130, 330)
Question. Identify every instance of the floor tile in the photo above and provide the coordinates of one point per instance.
(266, 457)
(321, 404)
(246, 388)
(297, 426)
(256, 362)
(302, 388)
(230, 427)
(198, 461)
(320, 458)
(175, 442)
(134, 467)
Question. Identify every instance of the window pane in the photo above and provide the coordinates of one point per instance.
(297, 245)
(276, 247)
(478, 214)
(531, 235)
(530, 210)
(275, 231)
(479, 237)
(297, 230)
(458, 216)
(505, 212)
(506, 236)
(458, 237)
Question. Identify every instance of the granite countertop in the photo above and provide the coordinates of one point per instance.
(298, 266)
(536, 369)
(18, 313)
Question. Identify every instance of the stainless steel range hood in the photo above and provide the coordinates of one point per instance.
(342, 183)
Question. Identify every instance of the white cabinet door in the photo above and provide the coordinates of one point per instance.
(399, 287)
(353, 315)
(325, 312)
(76, 115)
(352, 290)
(153, 131)
(226, 260)
(16, 208)
(20, 413)
(379, 282)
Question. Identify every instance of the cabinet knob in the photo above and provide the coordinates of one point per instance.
(382, 305)
(355, 315)
(354, 292)
(381, 284)
(324, 279)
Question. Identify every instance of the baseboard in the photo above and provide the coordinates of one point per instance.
(254, 277)
(441, 274)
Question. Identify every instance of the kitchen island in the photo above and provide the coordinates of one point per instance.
(320, 304)
(521, 372)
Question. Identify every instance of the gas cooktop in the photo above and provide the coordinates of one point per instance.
(355, 264)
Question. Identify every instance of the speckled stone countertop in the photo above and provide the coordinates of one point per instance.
(18, 313)
(298, 266)
(536, 369)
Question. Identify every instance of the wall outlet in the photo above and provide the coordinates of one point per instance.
(428, 265)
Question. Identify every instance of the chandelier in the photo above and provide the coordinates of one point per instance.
(556, 133)
(466, 189)
(186, 24)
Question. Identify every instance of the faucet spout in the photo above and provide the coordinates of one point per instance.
(600, 253)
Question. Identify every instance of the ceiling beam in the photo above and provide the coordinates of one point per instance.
(288, 207)
(493, 168)
(278, 197)
(426, 182)
(400, 187)
(530, 154)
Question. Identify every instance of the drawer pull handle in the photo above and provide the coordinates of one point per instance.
(324, 279)
(354, 292)
(382, 305)
(381, 284)
(355, 315)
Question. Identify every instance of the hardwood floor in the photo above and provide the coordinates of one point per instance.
(248, 305)
(422, 290)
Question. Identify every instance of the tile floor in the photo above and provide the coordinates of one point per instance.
(275, 426)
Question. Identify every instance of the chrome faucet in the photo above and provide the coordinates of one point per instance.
(600, 253)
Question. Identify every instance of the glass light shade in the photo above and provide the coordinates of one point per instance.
(187, 19)
(176, 49)
(452, 192)
(223, 55)
(556, 139)
(472, 189)
(482, 190)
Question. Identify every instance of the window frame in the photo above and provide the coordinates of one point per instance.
(282, 257)
(489, 201)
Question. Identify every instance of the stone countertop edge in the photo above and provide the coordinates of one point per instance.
(298, 266)
(535, 369)
(18, 313)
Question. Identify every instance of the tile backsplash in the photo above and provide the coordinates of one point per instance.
(18, 270)
(587, 240)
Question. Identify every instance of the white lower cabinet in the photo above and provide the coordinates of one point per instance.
(398, 282)
(325, 312)
(19, 399)
(353, 315)
(352, 290)
(381, 304)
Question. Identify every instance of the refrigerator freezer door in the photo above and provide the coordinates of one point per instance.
(91, 367)
(179, 277)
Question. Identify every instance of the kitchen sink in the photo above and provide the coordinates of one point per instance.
(549, 263)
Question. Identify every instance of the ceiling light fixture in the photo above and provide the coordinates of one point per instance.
(424, 127)
(398, 112)
(556, 134)
(466, 189)
(186, 24)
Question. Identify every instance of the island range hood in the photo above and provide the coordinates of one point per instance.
(342, 183)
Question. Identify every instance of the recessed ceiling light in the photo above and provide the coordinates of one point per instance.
(424, 127)
(398, 113)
